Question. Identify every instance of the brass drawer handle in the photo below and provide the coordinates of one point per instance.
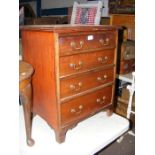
(74, 46)
(76, 66)
(102, 60)
(104, 42)
(78, 111)
(101, 100)
(76, 87)
(100, 79)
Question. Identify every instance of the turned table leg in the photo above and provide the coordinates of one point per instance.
(25, 95)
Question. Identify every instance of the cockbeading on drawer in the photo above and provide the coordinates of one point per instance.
(85, 62)
(85, 105)
(85, 42)
(76, 84)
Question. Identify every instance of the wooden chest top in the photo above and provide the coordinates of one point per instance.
(67, 28)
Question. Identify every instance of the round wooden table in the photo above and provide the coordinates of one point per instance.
(25, 92)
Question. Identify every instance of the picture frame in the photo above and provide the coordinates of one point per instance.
(86, 13)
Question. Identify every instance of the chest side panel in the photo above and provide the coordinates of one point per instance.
(38, 50)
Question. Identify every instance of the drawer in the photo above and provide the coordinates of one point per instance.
(83, 106)
(128, 50)
(84, 62)
(75, 85)
(127, 66)
(77, 43)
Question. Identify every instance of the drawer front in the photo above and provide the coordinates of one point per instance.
(72, 86)
(127, 66)
(84, 62)
(83, 106)
(78, 43)
(128, 50)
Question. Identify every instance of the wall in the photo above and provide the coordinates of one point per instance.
(32, 4)
(48, 4)
(60, 7)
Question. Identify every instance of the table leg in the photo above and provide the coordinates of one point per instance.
(26, 98)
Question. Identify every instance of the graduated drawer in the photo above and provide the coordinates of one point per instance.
(77, 84)
(86, 61)
(77, 43)
(83, 106)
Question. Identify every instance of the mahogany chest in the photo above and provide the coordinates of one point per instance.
(75, 68)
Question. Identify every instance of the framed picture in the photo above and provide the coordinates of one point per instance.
(87, 13)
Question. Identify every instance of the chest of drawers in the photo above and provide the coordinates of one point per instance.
(75, 69)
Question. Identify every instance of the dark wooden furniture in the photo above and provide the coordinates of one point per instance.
(127, 21)
(126, 60)
(126, 47)
(123, 101)
(47, 20)
(105, 21)
(121, 6)
(75, 69)
(25, 91)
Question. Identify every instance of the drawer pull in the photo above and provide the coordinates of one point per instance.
(102, 60)
(76, 87)
(74, 111)
(101, 100)
(76, 66)
(104, 42)
(102, 79)
(74, 46)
